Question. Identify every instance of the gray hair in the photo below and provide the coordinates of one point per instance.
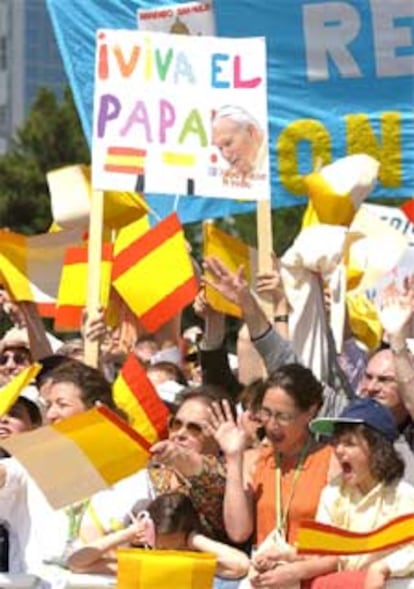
(237, 114)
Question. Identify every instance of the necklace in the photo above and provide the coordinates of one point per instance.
(282, 511)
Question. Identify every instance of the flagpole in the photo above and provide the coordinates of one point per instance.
(91, 353)
(265, 249)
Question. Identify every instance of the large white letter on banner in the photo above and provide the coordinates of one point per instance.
(388, 38)
(328, 28)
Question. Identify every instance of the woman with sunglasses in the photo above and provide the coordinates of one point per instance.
(189, 462)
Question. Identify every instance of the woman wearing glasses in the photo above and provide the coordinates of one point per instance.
(283, 485)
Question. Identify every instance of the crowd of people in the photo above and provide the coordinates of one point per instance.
(252, 450)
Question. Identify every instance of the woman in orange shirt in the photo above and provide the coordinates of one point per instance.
(280, 484)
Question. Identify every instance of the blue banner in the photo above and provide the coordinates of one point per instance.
(340, 81)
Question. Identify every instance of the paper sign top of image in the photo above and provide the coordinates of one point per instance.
(179, 114)
(190, 18)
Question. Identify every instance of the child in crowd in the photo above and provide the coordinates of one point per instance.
(368, 493)
(169, 523)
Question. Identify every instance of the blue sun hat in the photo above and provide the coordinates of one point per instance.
(366, 411)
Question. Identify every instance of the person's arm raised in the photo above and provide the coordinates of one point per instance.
(238, 504)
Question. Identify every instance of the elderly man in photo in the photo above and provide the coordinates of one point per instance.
(240, 140)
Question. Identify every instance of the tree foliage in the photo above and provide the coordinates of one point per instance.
(50, 137)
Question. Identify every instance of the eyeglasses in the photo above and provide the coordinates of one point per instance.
(17, 357)
(194, 429)
(282, 417)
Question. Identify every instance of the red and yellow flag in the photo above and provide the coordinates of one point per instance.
(73, 286)
(317, 538)
(134, 393)
(11, 391)
(162, 569)
(76, 457)
(154, 274)
(30, 267)
(233, 253)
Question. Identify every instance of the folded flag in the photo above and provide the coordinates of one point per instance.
(144, 569)
(71, 193)
(30, 267)
(154, 274)
(233, 253)
(11, 391)
(317, 538)
(73, 286)
(76, 457)
(134, 393)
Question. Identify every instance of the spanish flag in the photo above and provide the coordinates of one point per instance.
(134, 393)
(71, 192)
(154, 274)
(317, 538)
(74, 458)
(11, 391)
(233, 253)
(163, 569)
(125, 160)
(72, 293)
(30, 267)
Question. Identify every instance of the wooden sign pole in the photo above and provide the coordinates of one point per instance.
(265, 249)
(91, 354)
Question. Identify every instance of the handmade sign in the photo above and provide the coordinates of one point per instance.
(177, 114)
(190, 18)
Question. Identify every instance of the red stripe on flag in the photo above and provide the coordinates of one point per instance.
(145, 244)
(106, 412)
(68, 317)
(170, 305)
(46, 309)
(126, 151)
(143, 390)
(79, 255)
(124, 169)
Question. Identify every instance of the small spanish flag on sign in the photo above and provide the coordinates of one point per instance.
(134, 393)
(125, 160)
(154, 274)
(323, 539)
(145, 569)
(81, 455)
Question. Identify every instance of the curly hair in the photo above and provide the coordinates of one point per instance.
(385, 464)
(299, 383)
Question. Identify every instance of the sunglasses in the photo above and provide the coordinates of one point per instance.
(18, 358)
(194, 429)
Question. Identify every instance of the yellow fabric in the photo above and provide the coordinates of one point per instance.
(363, 319)
(233, 253)
(112, 451)
(129, 233)
(73, 286)
(329, 207)
(164, 569)
(10, 392)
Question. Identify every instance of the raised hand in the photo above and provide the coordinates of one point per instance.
(228, 284)
(229, 435)
(395, 309)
